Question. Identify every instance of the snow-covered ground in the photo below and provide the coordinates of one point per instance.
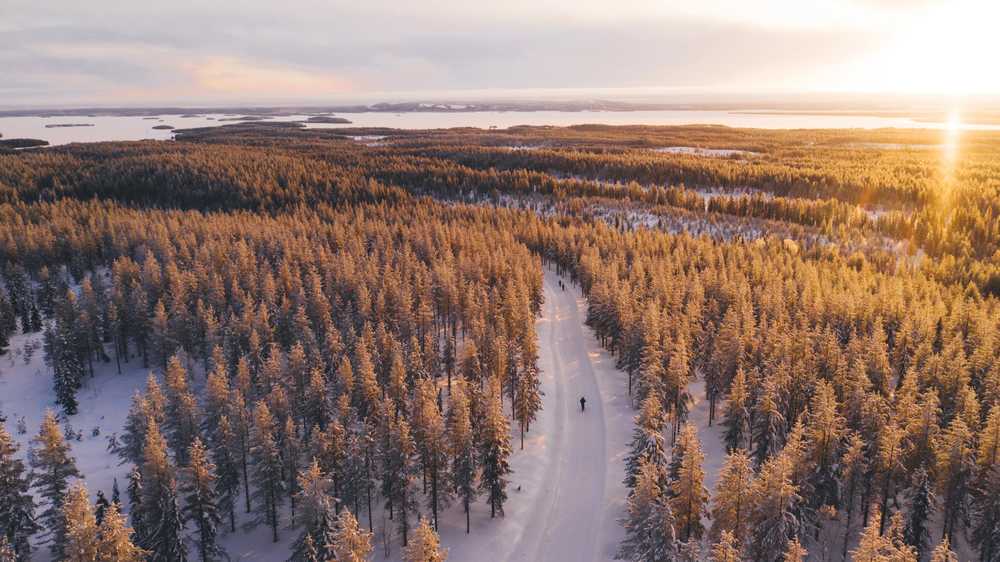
(565, 494)
(711, 152)
(26, 393)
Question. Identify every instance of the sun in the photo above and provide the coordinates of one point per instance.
(948, 48)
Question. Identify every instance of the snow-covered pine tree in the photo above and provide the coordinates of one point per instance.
(773, 519)
(291, 460)
(889, 465)
(943, 552)
(823, 434)
(349, 543)
(887, 547)
(135, 508)
(736, 414)
(216, 402)
(17, 506)
(794, 552)
(989, 440)
(161, 340)
(269, 486)
(462, 447)
(726, 549)
(315, 503)
(853, 470)
(53, 466)
(985, 509)
(689, 498)
(100, 507)
(162, 526)
(955, 461)
(529, 400)
(649, 522)
(201, 509)
(400, 467)
(425, 546)
(227, 469)
(677, 377)
(494, 450)
(920, 505)
(115, 541)
(81, 527)
(769, 424)
(183, 418)
(150, 405)
(65, 347)
(242, 424)
(432, 444)
(732, 500)
(647, 441)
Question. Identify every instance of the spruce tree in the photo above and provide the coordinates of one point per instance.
(854, 468)
(943, 552)
(17, 506)
(920, 506)
(462, 447)
(432, 444)
(689, 498)
(985, 509)
(53, 467)
(161, 520)
(649, 522)
(349, 543)
(736, 416)
(201, 509)
(494, 450)
(726, 550)
(954, 464)
(82, 537)
(794, 551)
(115, 541)
(315, 504)
(769, 425)
(100, 507)
(227, 469)
(65, 345)
(773, 519)
(888, 547)
(425, 546)
(732, 500)
(529, 400)
(647, 441)
(135, 507)
(269, 486)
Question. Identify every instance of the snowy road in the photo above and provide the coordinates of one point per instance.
(571, 470)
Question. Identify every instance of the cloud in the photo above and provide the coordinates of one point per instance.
(228, 75)
(108, 50)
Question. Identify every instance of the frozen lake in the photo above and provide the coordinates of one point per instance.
(136, 128)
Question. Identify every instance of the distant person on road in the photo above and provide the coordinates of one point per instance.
(583, 404)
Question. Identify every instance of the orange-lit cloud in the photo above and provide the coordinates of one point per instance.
(230, 75)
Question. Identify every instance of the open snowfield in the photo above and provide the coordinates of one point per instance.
(26, 392)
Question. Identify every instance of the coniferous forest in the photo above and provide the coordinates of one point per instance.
(332, 337)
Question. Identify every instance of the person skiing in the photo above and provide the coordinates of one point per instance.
(583, 404)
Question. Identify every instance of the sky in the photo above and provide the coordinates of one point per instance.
(114, 52)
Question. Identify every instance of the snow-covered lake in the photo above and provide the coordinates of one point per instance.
(106, 128)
